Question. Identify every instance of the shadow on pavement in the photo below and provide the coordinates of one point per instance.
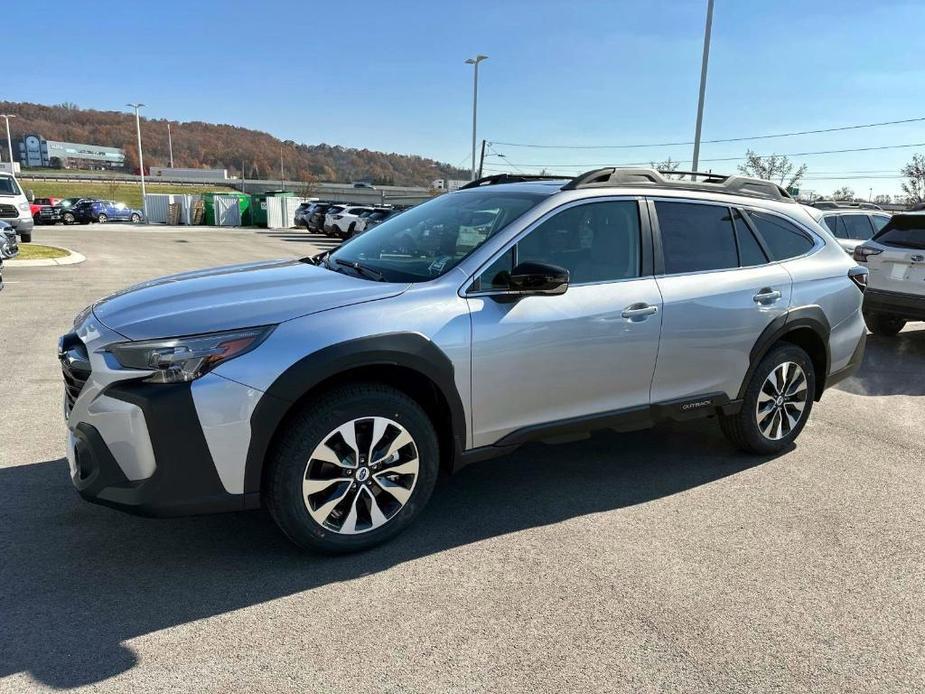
(78, 580)
(892, 366)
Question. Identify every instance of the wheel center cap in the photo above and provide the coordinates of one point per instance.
(362, 474)
(779, 401)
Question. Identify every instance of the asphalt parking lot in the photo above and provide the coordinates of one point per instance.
(659, 560)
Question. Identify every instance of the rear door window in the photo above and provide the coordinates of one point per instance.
(857, 226)
(832, 223)
(750, 252)
(696, 237)
(782, 238)
(879, 221)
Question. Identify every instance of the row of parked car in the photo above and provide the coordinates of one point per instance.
(343, 220)
(82, 211)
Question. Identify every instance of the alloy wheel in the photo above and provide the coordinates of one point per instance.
(360, 475)
(781, 401)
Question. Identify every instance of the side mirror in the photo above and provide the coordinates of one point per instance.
(30, 196)
(531, 278)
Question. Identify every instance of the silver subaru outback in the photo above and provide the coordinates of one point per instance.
(335, 389)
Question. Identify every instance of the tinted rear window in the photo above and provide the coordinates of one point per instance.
(783, 239)
(858, 226)
(903, 231)
(696, 237)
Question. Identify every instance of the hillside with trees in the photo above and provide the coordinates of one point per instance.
(209, 145)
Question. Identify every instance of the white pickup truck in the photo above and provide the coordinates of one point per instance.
(14, 207)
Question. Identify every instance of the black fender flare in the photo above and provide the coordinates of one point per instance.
(811, 317)
(409, 350)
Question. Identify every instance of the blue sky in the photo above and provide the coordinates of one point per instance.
(390, 75)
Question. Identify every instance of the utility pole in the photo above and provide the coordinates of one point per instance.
(170, 144)
(474, 62)
(281, 174)
(703, 82)
(482, 159)
(141, 159)
(9, 142)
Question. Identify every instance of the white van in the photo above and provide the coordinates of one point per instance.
(14, 207)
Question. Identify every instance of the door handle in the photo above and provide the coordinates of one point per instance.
(639, 311)
(767, 296)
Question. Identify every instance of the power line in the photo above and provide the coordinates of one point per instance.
(717, 141)
(722, 159)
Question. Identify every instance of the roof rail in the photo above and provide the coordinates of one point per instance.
(714, 183)
(844, 204)
(508, 178)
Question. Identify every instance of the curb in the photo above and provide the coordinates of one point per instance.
(72, 258)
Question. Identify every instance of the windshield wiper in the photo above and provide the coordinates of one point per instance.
(315, 259)
(361, 269)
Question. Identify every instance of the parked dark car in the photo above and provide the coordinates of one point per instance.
(314, 220)
(102, 211)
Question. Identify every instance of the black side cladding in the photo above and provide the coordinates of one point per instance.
(400, 349)
(185, 481)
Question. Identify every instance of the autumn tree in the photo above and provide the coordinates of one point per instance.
(773, 167)
(914, 185)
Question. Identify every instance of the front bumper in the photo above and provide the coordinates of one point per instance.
(184, 480)
(152, 449)
(21, 224)
(907, 306)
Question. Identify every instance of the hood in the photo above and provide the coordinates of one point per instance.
(234, 296)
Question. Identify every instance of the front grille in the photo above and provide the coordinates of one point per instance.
(75, 367)
(8, 212)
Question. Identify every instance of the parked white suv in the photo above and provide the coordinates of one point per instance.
(14, 207)
(896, 258)
(344, 222)
(851, 226)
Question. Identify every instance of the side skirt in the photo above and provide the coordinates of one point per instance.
(629, 419)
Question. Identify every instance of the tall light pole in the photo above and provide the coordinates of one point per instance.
(9, 142)
(141, 159)
(170, 144)
(475, 101)
(703, 82)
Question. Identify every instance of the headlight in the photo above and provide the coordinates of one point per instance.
(24, 206)
(182, 359)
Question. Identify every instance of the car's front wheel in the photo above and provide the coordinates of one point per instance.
(352, 469)
(26, 237)
(777, 402)
(882, 324)
(136, 218)
(68, 218)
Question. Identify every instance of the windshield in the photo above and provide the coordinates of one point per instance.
(904, 231)
(8, 186)
(432, 238)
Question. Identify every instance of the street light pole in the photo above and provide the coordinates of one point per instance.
(9, 142)
(170, 144)
(475, 102)
(703, 81)
(141, 159)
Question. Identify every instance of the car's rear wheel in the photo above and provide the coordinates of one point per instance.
(353, 469)
(136, 218)
(101, 218)
(882, 324)
(777, 402)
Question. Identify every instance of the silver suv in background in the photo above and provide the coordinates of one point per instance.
(851, 225)
(896, 258)
(335, 389)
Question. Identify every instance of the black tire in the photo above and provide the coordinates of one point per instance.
(308, 428)
(743, 429)
(135, 218)
(882, 324)
(26, 237)
(102, 218)
(68, 218)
